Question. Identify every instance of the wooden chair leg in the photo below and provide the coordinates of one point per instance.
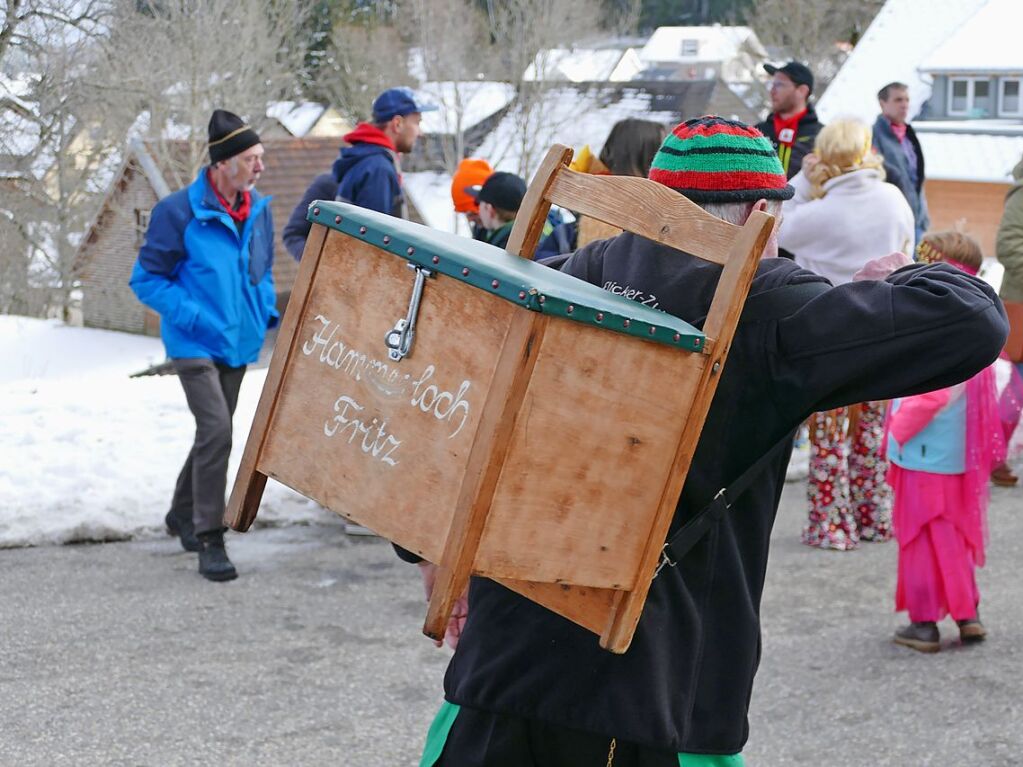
(722, 319)
(249, 483)
(486, 458)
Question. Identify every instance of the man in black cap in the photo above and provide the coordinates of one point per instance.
(500, 198)
(792, 125)
(206, 268)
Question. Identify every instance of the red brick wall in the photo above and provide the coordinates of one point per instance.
(978, 205)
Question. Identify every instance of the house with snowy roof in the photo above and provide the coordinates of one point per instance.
(577, 114)
(301, 119)
(580, 65)
(964, 67)
(730, 53)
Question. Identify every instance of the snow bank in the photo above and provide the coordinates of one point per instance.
(90, 454)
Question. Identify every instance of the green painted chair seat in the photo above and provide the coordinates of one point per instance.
(526, 283)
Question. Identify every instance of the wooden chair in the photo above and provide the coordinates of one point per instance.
(520, 484)
(627, 203)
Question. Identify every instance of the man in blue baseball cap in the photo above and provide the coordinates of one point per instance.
(368, 171)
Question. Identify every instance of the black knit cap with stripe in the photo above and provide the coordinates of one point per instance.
(229, 135)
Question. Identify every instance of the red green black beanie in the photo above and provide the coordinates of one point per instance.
(710, 159)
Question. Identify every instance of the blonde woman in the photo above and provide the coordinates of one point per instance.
(842, 215)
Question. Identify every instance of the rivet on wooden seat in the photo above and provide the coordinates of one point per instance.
(362, 230)
(652, 330)
(411, 250)
(316, 211)
(435, 259)
(600, 316)
(541, 299)
(570, 309)
(678, 337)
(522, 295)
(337, 219)
(495, 284)
(465, 271)
(387, 240)
(626, 323)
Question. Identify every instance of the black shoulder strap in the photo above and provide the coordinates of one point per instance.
(678, 545)
(772, 304)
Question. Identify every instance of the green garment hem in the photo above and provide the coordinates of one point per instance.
(442, 723)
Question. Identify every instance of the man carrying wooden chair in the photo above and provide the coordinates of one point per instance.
(527, 687)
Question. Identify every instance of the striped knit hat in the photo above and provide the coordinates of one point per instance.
(711, 159)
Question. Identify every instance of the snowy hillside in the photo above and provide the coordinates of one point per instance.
(90, 454)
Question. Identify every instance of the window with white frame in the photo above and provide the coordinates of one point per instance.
(1009, 102)
(970, 97)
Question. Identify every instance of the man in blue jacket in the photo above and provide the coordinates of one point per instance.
(367, 172)
(206, 268)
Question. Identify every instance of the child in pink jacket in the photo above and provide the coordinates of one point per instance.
(942, 446)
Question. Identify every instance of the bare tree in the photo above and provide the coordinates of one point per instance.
(180, 59)
(26, 23)
(151, 69)
(817, 32)
(526, 33)
(360, 54)
(51, 147)
(451, 46)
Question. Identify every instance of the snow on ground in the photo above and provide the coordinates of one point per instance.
(90, 454)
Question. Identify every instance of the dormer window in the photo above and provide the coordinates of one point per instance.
(1009, 102)
(970, 97)
(690, 47)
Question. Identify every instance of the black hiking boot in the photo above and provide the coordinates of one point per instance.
(213, 562)
(922, 636)
(183, 529)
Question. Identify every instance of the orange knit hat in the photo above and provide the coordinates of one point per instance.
(471, 172)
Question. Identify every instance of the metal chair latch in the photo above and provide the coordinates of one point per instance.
(399, 338)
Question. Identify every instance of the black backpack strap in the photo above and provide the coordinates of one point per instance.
(678, 545)
(772, 304)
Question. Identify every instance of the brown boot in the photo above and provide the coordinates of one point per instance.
(1002, 476)
(922, 636)
(971, 630)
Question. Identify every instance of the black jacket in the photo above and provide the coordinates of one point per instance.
(296, 231)
(806, 134)
(685, 683)
(891, 149)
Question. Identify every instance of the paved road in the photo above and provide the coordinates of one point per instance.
(119, 654)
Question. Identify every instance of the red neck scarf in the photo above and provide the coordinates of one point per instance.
(785, 130)
(898, 130)
(238, 214)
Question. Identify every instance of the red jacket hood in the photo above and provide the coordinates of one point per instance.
(367, 133)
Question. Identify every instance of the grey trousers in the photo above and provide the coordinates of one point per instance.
(212, 393)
